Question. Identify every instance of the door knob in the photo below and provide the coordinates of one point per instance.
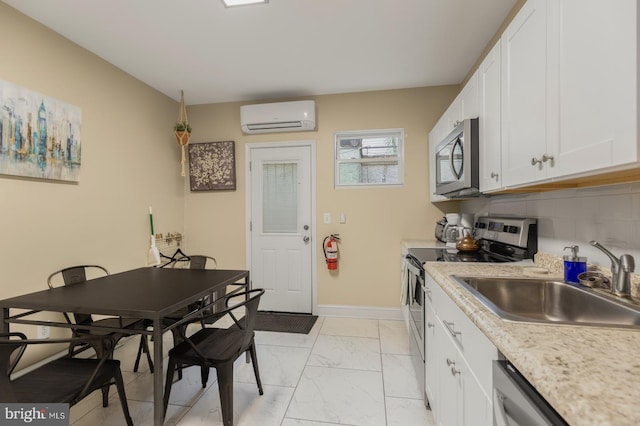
(306, 238)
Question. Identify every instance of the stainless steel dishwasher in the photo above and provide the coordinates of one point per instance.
(516, 402)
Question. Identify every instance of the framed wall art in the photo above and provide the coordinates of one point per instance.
(212, 166)
(39, 135)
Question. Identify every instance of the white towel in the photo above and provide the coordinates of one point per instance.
(406, 287)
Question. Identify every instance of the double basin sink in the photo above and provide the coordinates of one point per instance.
(551, 302)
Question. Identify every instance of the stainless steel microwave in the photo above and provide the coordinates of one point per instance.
(457, 161)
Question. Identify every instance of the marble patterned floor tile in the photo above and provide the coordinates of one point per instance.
(400, 377)
(394, 338)
(355, 327)
(279, 365)
(358, 353)
(250, 408)
(298, 422)
(141, 413)
(405, 411)
(336, 395)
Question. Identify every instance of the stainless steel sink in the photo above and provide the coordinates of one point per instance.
(550, 302)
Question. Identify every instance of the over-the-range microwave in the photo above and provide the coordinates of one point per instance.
(457, 161)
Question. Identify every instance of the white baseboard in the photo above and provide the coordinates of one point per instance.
(368, 312)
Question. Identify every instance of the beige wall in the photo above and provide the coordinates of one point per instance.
(129, 161)
(377, 218)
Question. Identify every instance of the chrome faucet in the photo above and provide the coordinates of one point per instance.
(621, 270)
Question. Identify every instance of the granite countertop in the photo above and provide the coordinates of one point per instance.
(590, 375)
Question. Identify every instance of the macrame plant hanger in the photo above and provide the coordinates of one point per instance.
(183, 135)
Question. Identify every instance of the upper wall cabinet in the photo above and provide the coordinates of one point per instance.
(490, 131)
(593, 61)
(569, 90)
(524, 95)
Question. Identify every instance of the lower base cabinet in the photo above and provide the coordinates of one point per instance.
(455, 393)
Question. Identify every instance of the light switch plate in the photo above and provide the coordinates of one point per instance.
(343, 218)
(327, 218)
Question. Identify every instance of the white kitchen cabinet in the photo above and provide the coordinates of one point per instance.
(525, 115)
(430, 353)
(490, 137)
(593, 67)
(469, 98)
(458, 359)
(449, 396)
(569, 90)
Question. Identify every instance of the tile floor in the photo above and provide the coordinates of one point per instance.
(344, 372)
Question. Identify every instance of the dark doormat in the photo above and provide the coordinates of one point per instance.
(285, 322)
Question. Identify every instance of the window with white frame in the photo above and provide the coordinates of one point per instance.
(369, 158)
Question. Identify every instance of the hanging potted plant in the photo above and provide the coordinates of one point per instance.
(182, 130)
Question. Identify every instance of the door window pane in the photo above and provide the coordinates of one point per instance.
(280, 198)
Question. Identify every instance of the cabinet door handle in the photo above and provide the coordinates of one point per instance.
(545, 158)
(430, 325)
(449, 326)
(454, 371)
(494, 175)
(450, 362)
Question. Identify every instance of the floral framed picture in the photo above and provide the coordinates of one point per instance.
(212, 166)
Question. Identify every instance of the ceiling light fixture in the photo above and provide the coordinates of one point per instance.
(231, 3)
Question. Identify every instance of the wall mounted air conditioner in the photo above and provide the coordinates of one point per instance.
(296, 116)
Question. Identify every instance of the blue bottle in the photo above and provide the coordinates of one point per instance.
(574, 265)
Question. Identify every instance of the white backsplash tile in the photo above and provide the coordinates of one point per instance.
(608, 214)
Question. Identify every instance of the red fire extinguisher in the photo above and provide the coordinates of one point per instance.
(330, 247)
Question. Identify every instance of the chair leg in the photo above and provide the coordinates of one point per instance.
(123, 397)
(143, 348)
(225, 386)
(204, 375)
(254, 361)
(145, 342)
(177, 339)
(137, 363)
(171, 368)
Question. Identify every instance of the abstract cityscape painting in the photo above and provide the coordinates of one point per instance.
(39, 135)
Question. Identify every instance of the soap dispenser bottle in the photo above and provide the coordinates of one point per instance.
(574, 265)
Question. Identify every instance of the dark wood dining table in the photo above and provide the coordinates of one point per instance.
(144, 293)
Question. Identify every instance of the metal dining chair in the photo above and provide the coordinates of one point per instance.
(78, 274)
(182, 261)
(64, 380)
(219, 347)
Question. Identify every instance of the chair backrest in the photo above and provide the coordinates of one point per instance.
(251, 302)
(196, 261)
(74, 275)
(13, 345)
(199, 261)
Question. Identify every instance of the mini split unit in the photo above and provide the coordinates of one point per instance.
(297, 116)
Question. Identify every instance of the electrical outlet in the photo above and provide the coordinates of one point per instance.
(44, 332)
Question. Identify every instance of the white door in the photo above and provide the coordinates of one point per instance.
(281, 226)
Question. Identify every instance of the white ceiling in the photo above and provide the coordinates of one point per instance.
(286, 48)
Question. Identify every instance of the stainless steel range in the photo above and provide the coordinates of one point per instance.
(500, 239)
